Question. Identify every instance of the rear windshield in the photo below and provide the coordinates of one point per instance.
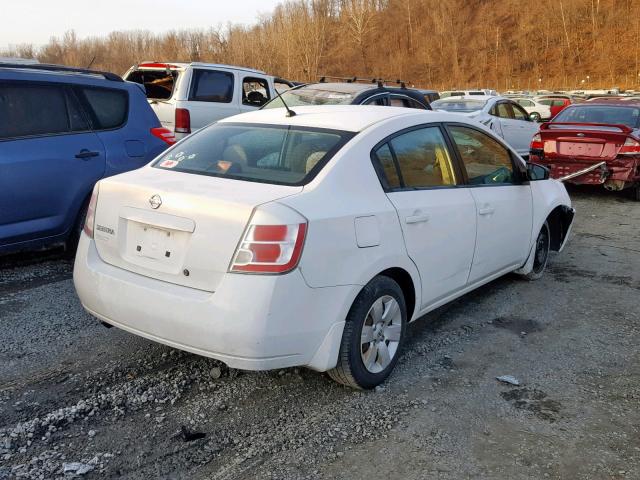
(277, 154)
(312, 96)
(458, 105)
(158, 84)
(583, 113)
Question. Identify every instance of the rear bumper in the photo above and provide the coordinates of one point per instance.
(252, 322)
(617, 170)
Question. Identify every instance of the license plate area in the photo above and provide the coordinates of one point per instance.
(152, 242)
(576, 149)
(154, 248)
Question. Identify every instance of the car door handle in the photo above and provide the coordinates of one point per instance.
(416, 219)
(486, 211)
(84, 154)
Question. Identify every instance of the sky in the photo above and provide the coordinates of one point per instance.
(35, 21)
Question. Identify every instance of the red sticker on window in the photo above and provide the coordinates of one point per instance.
(169, 164)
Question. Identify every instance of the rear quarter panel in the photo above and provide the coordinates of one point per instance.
(132, 145)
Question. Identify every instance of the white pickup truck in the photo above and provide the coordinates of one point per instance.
(189, 96)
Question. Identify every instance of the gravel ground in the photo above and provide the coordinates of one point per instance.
(100, 403)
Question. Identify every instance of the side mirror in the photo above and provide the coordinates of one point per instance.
(537, 172)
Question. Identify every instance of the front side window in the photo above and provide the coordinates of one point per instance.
(109, 108)
(277, 154)
(519, 113)
(211, 86)
(486, 161)
(255, 91)
(31, 110)
(422, 157)
(503, 110)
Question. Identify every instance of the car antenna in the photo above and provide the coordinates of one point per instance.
(290, 113)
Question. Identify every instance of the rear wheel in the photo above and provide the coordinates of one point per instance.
(373, 335)
(535, 116)
(541, 253)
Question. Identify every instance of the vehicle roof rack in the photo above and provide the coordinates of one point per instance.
(61, 68)
(379, 81)
(324, 78)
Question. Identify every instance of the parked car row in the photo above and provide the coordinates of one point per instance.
(410, 205)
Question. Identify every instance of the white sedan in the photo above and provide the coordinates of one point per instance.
(536, 110)
(269, 241)
(502, 115)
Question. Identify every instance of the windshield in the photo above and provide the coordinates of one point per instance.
(312, 96)
(621, 115)
(460, 105)
(278, 154)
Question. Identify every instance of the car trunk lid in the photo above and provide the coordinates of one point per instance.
(583, 141)
(150, 223)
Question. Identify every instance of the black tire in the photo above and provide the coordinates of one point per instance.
(71, 244)
(351, 369)
(535, 117)
(635, 193)
(541, 254)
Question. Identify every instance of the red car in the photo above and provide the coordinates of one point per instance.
(556, 104)
(596, 142)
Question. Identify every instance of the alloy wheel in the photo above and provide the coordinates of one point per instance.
(381, 333)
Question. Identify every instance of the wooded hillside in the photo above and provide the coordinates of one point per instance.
(441, 44)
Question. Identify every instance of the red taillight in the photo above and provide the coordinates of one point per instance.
(270, 249)
(91, 213)
(183, 121)
(630, 147)
(537, 143)
(164, 134)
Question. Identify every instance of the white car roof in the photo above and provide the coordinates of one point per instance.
(352, 118)
(185, 65)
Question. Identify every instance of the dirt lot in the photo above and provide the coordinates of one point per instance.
(74, 391)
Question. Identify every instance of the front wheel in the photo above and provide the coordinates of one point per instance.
(541, 253)
(373, 335)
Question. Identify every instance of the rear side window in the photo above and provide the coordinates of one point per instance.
(385, 160)
(395, 101)
(158, 84)
(32, 110)
(211, 86)
(108, 107)
(277, 154)
(423, 158)
(421, 155)
(485, 160)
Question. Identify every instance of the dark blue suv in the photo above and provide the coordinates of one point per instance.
(61, 130)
